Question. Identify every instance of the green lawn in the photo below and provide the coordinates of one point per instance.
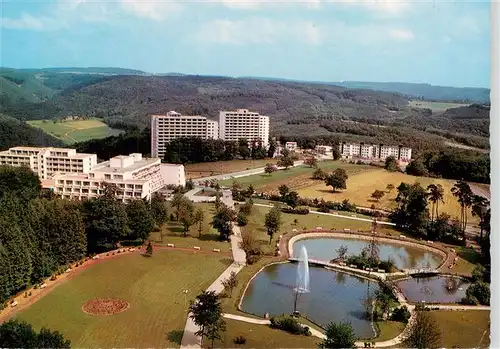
(75, 130)
(261, 336)
(171, 233)
(153, 286)
(435, 106)
(468, 260)
(464, 329)
(294, 177)
(389, 330)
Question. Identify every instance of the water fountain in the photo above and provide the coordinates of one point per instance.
(302, 282)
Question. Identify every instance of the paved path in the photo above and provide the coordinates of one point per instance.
(339, 216)
(189, 339)
(239, 174)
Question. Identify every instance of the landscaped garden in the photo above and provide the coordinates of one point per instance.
(152, 286)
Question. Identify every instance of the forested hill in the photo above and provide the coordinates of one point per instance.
(14, 132)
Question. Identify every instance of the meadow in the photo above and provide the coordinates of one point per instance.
(153, 287)
(295, 177)
(464, 329)
(435, 106)
(361, 185)
(72, 131)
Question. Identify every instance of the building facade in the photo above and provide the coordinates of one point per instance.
(173, 174)
(165, 128)
(241, 123)
(135, 177)
(46, 162)
(374, 152)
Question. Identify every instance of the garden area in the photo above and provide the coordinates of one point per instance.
(157, 310)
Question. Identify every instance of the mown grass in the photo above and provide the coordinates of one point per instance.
(75, 131)
(153, 286)
(172, 233)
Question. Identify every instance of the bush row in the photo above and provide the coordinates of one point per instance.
(290, 325)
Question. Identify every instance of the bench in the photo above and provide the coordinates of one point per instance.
(196, 248)
(170, 245)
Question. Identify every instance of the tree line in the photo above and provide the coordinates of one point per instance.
(41, 235)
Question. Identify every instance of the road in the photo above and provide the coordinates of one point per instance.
(189, 339)
(240, 173)
(477, 190)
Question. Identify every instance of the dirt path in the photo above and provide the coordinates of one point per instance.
(37, 294)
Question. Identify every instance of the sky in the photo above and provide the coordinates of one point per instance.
(438, 42)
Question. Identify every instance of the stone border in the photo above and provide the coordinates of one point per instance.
(106, 298)
(316, 233)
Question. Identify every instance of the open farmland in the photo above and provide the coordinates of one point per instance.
(361, 185)
(295, 178)
(72, 131)
(435, 106)
(153, 287)
(207, 169)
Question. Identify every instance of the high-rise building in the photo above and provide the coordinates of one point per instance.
(165, 128)
(46, 162)
(241, 123)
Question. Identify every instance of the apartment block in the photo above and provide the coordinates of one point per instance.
(323, 149)
(291, 146)
(134, 176)
(241, 123)
(173, 174)
(46, 162)
(165, 128)
(374, 152)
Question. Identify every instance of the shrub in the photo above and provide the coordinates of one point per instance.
(302, 211)
(240, 340)
(289, 324)
(481, 291)
(29, 293)
(53, 277)
(252, 258)
(469, 300)
(401, 314)
(242, 220)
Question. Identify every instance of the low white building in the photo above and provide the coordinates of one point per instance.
(374, 152)
(173, 174)
(46, 162)
(291, 146)
(134, 176)
(323, 149)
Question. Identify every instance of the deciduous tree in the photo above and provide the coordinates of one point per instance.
(230, 283)
(140, 219)
(378, 194)
(272, 222)
(223, 220)
(337, 179)
(199, 217)
(424, 333)
(206, 312)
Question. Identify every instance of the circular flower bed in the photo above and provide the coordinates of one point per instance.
(105, 306)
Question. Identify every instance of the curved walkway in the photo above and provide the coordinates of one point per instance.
(189, 339)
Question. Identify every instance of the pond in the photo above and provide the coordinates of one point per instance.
(403, 256)
(333, 296)
(434, 289)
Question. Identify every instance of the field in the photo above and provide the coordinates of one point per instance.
(362, 185)
(389, 330)
(297, 177)
(262, 336)
(153, 286)
(220, 167)
(75, 131)
(464, 329)
(435, 106)
(171, 232)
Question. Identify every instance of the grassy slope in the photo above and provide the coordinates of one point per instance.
(71, 131)
(220, 167)
(153, 286)
(435, 106)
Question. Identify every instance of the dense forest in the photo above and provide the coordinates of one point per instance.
(41, 235)
(14, 132)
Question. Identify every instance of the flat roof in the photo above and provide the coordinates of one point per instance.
(104, 167)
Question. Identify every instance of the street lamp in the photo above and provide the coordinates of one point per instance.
(185, 297)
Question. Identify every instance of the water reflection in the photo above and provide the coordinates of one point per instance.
(333, 296)
(435, 289)
(403, 256)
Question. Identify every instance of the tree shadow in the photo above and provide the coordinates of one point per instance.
(226, 261)
(328, 191)
(175, 336)
(209, 237)
(469, 254)
(373, 200)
